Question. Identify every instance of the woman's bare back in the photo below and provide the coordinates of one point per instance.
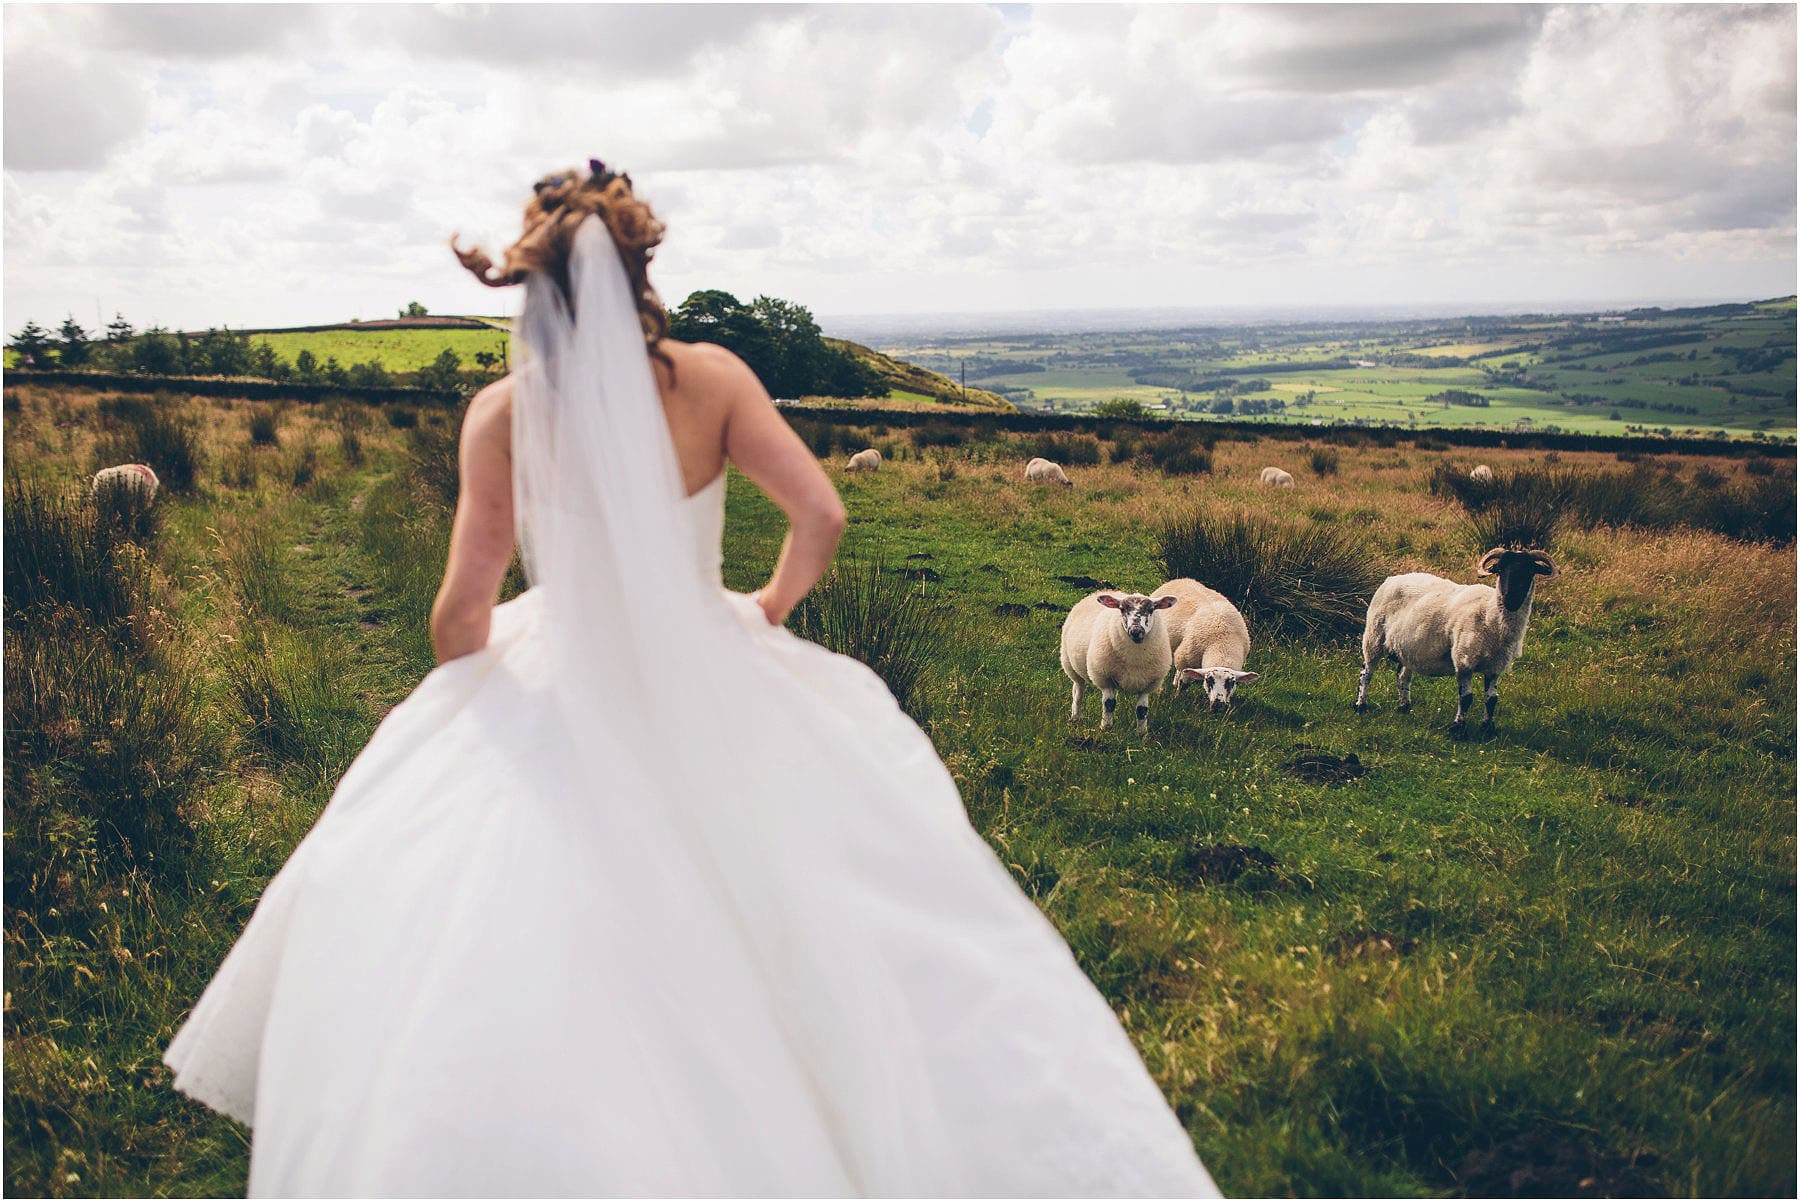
(717, 411)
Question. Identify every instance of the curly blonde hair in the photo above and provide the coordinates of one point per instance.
(558, 205)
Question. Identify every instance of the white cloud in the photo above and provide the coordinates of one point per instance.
(258, 165)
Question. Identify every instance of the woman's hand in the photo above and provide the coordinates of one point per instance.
(775, 617)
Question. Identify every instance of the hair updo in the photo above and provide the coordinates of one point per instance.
(558, 205)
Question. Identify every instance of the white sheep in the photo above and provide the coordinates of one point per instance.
(1042, 471)
(1274, 477)
(1441, 628)
(864, 461)
(1208, 640)
(1482, 472)
(1129, 654)
(139, 478)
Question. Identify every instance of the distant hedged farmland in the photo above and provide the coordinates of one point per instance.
(1723, 370)
(780, 341)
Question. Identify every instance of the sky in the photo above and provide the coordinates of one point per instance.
(277, 165)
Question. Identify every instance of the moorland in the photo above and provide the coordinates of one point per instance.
(1358, 955)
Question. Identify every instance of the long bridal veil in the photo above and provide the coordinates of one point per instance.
(646, 647)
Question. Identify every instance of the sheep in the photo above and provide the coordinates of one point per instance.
(1208, 640)
(1482, 472)
(1130, 655)
(1274, 477)
(864, 461)
(1438, 627)
(1042, 471)
(139, 478)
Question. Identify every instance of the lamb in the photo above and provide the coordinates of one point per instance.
(864, 461)
(1274, 477)
(1042, 471)
(1130, 655)
(139, 478)
(1208, 640)
(1440, 628)
(1482, 472)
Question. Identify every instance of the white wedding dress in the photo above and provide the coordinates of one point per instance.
(651, 898)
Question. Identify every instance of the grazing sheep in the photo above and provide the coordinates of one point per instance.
(1042, 471)
(1274, 477)
(1130, 654)
(1442, 628)
(864, 461)
(1208, 639)
(136, 477)
(1482, 472)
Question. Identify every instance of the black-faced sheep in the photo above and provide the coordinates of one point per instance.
(1441, 628)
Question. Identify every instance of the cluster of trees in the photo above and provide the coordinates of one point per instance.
(780, 342)
(1457, 396)
(1246, 407)
(159, 352)
(778, 339)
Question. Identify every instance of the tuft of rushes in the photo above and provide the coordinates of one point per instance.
(263, 429)
(1078, 450)
(1528, 506)
(876, 615)
(153, 434)
(432, 466)
(1290, 580)
(104, 745)
(60, 551)
(350, 445)
(1324, 461)
(1178, 452)
(296, 710)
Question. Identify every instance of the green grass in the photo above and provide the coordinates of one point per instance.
(1567, 949)
(398, 350)
(1584, 379)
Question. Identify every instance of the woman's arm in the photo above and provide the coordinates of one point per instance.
(766, 449)
(481, 538)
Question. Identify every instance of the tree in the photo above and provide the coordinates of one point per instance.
(798, 351)
(118, 329)
(371, 375)
(155, 352)
(443, 374)
(720, 318)
(335, 375)
(265, 362)
(31, 342)
(221, 353)
(1120, 407)
(73, 352)
(486, 360)
(414, 309)
(306, 366)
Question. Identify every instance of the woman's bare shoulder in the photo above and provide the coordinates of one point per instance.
(488, 418)
(706, 366)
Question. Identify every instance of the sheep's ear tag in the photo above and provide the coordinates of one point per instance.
(1108, 600)
(1164, 602)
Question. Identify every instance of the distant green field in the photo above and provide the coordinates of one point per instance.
(1726, 368)
(398, 350)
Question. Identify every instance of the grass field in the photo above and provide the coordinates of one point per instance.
(1559, 960)
(1729, 369)
(398, 350)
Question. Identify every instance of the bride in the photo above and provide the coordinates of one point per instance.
(639, 894)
